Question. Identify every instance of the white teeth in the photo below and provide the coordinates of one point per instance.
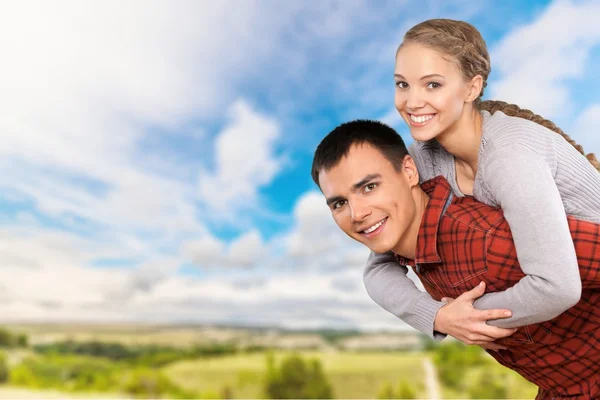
(371, 229)
(421, 119)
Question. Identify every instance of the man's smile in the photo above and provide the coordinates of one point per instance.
(375, 229)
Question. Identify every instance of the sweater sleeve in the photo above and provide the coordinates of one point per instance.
(522, 183)
(389, 286)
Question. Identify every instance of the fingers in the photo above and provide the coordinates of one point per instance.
(447, 300)
(495, 314)
(480, 334)
(474, 293)
(476, 338)
(496, 333)
(493, 346)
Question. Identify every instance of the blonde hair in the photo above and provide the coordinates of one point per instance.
(460, 40)
(465, 45)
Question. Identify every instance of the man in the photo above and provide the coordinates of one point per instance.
(371, 185)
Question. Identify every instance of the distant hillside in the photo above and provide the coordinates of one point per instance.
(191, 335)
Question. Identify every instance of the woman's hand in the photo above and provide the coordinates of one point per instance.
(459, 319)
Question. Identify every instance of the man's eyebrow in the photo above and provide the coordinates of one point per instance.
(333, 200)
(355, 187)
(364, 180)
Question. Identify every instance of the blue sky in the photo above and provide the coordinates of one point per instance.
(155, 156)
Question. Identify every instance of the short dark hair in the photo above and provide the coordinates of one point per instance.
(336, 145)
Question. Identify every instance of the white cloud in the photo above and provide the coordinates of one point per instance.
(315, 233)
(86, 86)
(82, 85)
(204, 251)
(317, 243)
(585, 130)
(536, 60)
(65, 287)
(247, 250)
(393, 119)
(245, 161)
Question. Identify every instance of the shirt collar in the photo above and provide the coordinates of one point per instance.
(439, 191)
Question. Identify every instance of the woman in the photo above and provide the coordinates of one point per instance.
(501, 155)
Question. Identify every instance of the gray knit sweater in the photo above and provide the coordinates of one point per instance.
(535, 176)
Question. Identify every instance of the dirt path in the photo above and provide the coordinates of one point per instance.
(431, 380)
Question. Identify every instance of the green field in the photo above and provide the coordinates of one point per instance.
(352, 375)
(222, 372)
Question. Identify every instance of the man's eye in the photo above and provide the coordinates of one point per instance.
(370, 187)
(433, 85)
(401, 85)
(339, 204)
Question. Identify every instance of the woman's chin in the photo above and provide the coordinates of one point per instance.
(421, 136)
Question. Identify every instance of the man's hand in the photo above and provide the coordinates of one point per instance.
(458, 318)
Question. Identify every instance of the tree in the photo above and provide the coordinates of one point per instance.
(22, 340)
(453, 359)
(386, 392)
(296, 379)
(489, 386)
(148, 383)
(3, 368)
(405, 391)
(6, 338)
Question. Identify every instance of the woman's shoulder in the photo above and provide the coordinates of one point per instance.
(502, 130)
(431, 159)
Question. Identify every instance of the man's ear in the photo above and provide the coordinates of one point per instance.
(410, 169)
(475, 87)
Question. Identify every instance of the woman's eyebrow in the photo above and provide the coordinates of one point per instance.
(432, 76)
(429, 76)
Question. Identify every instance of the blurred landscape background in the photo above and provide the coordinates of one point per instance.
(160, 235)
(212, 362)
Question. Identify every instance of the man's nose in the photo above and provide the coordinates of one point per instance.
(360, 211)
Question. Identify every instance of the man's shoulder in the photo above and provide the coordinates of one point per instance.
(473, 214)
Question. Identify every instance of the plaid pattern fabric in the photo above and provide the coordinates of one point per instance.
(462, 242)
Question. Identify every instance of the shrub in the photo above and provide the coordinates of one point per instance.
(405, 391)
(453, 359)
(3, 368)
(489, 386)
(8, 339)
(148, 383)
(386, 392)
(296, 379)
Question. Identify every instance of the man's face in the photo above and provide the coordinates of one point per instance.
(369, 200)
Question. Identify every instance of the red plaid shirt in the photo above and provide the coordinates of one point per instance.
(462, 242)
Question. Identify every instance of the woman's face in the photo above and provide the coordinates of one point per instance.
(430, 91)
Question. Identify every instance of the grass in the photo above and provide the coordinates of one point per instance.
(352, 375)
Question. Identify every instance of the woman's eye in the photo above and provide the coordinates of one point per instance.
(401, 85)
(370, 187)
(433, 85)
